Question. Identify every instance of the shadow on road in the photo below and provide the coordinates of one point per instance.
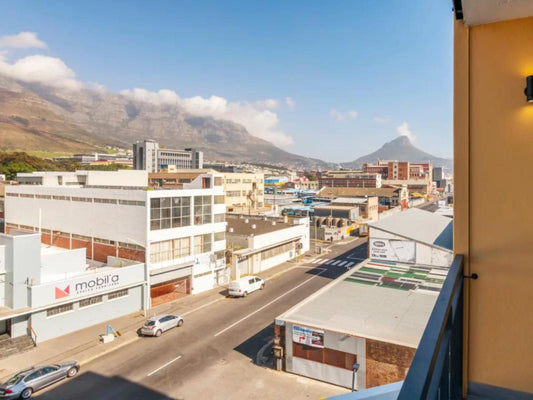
(258, 347)
(91, 386)
(355, 254)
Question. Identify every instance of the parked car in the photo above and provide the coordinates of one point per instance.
(155, 326)
(25, 383)
(242, 287)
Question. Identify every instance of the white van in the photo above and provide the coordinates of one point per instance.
(242, 287)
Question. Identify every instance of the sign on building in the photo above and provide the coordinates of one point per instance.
(307, 336)
(393, 250)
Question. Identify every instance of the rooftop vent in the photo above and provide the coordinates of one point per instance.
(246, 220)
(273, 223)
(254, 226)
(230, 230)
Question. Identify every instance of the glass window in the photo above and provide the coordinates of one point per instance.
(202, 210)
(169, 212)
(202, 244)
(220, 236)
(90, 301)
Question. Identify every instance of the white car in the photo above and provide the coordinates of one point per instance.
(242, 287)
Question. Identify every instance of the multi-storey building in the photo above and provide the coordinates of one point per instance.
(351, 179)
(179, 234)
(400, 170)
(244, 191)
(147, 155)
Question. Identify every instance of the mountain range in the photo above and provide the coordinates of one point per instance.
(36, 117)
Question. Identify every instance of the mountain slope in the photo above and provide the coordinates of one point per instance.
(102, 118)
(400, 149)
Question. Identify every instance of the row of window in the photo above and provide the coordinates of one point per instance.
(276, 251)
(180, 248)
(80, 199)
(175, 212)
(85, 303)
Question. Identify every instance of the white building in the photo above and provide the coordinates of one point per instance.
(46, 291)
(120, 178)
(179, 234)
(147, 155)
(260, 243)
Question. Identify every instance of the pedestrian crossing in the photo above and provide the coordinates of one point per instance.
(332, 262)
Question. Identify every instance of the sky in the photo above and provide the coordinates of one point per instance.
(332, 80)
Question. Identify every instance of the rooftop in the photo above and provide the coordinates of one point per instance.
(357, 192)
(381, 301)
(419, 225)
(243, 226)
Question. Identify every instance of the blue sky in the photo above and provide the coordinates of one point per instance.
(356, 72)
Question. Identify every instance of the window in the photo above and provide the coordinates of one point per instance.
(277, 251)
(220, 217)
(170, 212)
(85, 199)
(170, 249)
(220, 199)
(202, 244)
(117, 294)
(218, 181)
(90, 301)
(202, 210)
(106, 201)
(12, 194)
(59, 310)
(220, 236)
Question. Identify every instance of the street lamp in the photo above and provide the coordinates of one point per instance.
(355, 369)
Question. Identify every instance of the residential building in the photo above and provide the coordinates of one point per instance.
(178, 233)
(244, 192)
(147, 155)
(351, 179)
(48, 291)
(400, 170)
(306, 185)
(259, 243)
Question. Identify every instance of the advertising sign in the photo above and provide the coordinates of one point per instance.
(307, 336)
(86, 284)
(393, 250)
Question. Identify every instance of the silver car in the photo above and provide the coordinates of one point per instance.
(25, 383)
(155, 326)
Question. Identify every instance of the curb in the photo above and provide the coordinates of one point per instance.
(107, 351)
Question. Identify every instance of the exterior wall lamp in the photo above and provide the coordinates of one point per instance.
(528, 91)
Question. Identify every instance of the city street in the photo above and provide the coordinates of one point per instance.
(215, 355)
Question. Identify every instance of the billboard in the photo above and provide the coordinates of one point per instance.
(393, 250)
(307, 336)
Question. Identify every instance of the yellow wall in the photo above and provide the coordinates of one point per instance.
(493, 151)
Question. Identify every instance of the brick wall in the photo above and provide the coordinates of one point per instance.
(129, 254)
(80, 244)
(386, 362)
(101, 251)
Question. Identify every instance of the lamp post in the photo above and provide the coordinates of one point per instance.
(355, 369)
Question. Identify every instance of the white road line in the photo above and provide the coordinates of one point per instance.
(336, 262)
(266, 305)
(318, 260)
(329, 262)
(163, 366)
(349, 264)
(202, 306)
(342, 263)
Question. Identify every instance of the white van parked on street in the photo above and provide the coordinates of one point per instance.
(242, 287)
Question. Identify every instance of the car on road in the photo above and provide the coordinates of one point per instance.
(155, 326)
(25, 383)
(244, 286)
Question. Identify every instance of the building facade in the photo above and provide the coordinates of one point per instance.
(179, 234)
(357, 180)
(148, 156)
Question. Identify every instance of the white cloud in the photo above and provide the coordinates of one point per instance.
(22, 40)
(41, 69)
(290, 102)
(258, 121)
(382, 120)
(339, 116)
(269, 104)
(403, 130)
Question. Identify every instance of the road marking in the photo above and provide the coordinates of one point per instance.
(342, 263)
(202, 306)
(336, 262)
(266, 305)
(163, 366)
(318, 260)
(329, 262)
(349, 264)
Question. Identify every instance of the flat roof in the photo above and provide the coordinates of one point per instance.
(381, 301)
(241, 227)
(351, 200)
(419, 225)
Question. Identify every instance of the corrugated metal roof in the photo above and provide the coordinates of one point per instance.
(419, 225)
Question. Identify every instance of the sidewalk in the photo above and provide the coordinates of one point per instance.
(84, 345)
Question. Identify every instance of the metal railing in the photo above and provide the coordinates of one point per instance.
(437, 368)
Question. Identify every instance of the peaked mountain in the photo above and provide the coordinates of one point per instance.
(400, 149)
(36, 117)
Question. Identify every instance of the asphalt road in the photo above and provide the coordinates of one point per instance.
(202, 356)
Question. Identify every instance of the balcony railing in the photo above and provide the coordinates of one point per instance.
(437, 368)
